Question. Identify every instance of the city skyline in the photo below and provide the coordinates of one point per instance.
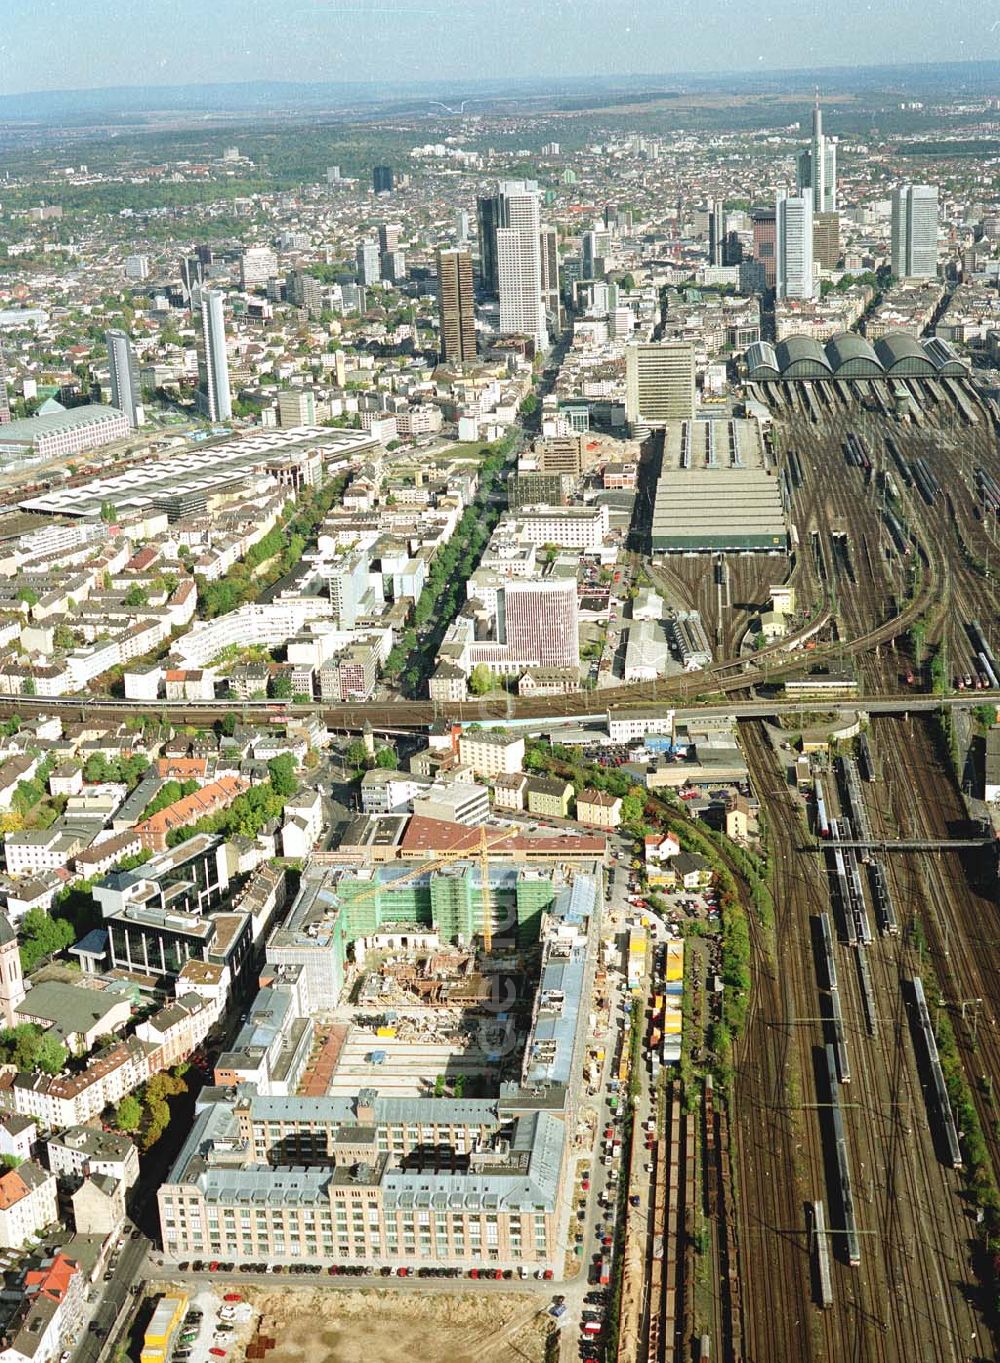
(353, 42)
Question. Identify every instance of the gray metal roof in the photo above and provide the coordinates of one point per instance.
(28, 429)
(802, 351)
(896, 347)
(851, 348)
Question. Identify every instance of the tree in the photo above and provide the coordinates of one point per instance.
(281, 686)
(357, 754)
(52, 1054)
(480, 680)
(632, 810)
(135, 597)
(281, 771)
(28, 595)
(386, 757)
(228, 724)
(43, 936)
(109, 513)
(28, 687)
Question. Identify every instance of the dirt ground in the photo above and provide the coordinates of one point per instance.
(400, 1327)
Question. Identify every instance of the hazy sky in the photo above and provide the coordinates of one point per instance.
(66, 44)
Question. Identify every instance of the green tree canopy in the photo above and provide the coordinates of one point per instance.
(281, 770)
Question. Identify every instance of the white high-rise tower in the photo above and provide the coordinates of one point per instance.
(817, 166)
(794, 245)
(519, 263)
(914, 231)
(214, 397)
(126, 394)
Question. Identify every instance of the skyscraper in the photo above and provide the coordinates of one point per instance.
(794, 243)
(716, 231)
(4, 399)
(551, 299)
(383, 180)
(488, 220)
(914, 231)
(126, 393)
(764, 242)
(214, 398)
(659, 382)
(456, 306)
(539, 621)
(389, 234)
(595, 246)
(519, 263)
(369, 263)
(817, 166)
(826, 239)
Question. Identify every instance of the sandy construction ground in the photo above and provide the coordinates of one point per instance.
(400, 1327)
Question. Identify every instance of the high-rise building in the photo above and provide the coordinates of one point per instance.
(258, 264)
(659, 382)
(826, 239)
(519, 263)
(126, 392)
(716, 231)
(794, 219)
(369, 263)
(595, 246)
(539, 621)
(551, 298)
(389, 234)
(383, 180)
(392, 265)
(764, 242)
(732, 249)
(488, 221)
(214, 398)
(137, 267)
(4, 397)
(304, 291)
(456, 306)
(816, 166)
(461, 226)
(914, 231)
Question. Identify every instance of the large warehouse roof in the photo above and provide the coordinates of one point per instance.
(851, 356)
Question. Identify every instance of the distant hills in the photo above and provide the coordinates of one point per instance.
(946, 79)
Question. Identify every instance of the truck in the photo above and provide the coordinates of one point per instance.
(603, 1273)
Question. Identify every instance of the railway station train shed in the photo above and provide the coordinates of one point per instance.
(851, 356)
(716, 492)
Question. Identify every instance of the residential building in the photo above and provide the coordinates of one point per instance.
(509, 790)
(126, 393)
(548, 796)
(598, 809)
(914, 231)
(794, 246)
(28, 1203)
(17, 1135)
(214, 397)
(659, 382)
(491, 751)
(80, 1151)
(98, 1206)
(456, 306)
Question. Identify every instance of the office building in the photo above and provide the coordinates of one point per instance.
(659, 382)
(716, 231)
(383, 180)
(126, 394)
(137, 267)
(732, 249)
(461, 226)
(304, 291)
(794, 246)
(764, 222)
(551, 299)
(595, 246)
(389, 235)
(392, 265)
(4, 399)
(214, 398)
(539, 621)
(456, 306)
(258, 264)
(826, 239)
(64, 433)
(519, 263)
(297, 407)
(369, 263)
(914, 231)
(488, 220)
(816, 167)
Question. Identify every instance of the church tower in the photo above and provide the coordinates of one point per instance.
(11, 979)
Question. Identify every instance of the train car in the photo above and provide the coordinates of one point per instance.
(946, 1117)
(830, 965)
(824, 1282)
(819, 813)
(840, 1040)
(865, 764)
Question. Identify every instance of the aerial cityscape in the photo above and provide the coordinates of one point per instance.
(499, 735)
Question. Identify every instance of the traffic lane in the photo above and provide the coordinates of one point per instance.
(114, 1295)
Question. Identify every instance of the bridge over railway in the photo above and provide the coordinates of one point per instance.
(905, 844)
